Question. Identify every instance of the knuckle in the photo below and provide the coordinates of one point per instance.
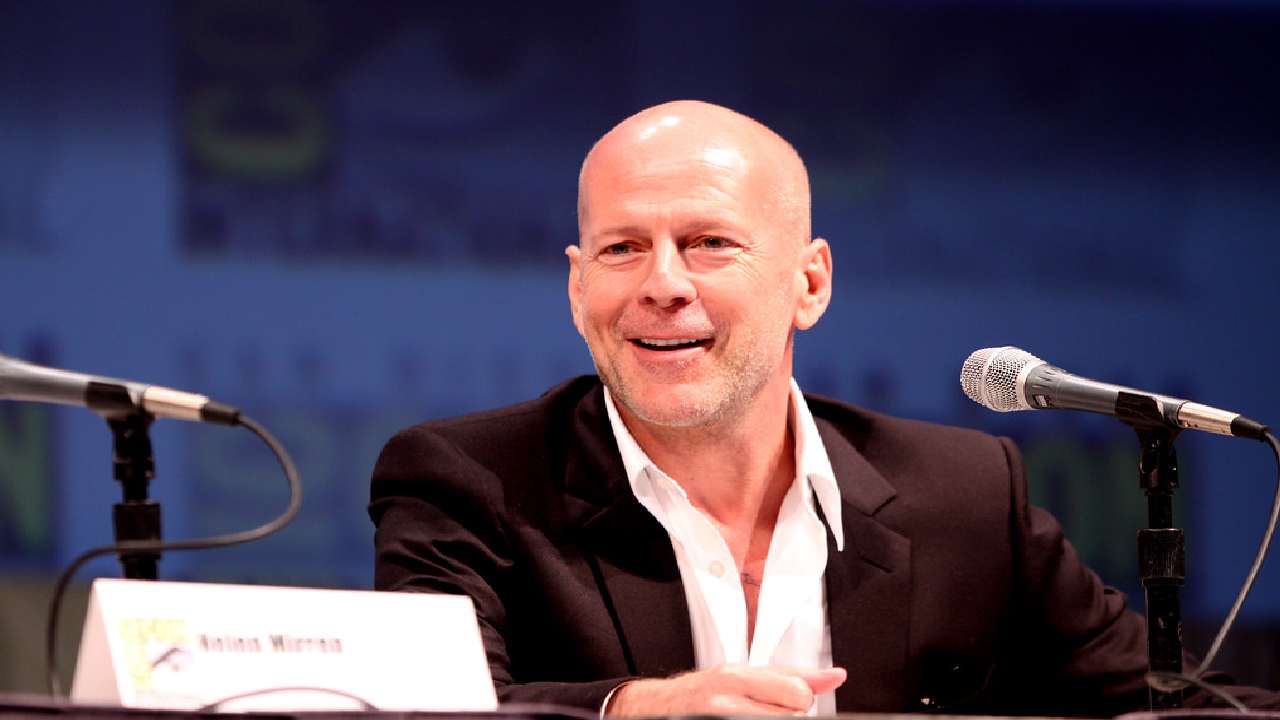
(720, 702)
(797, 693)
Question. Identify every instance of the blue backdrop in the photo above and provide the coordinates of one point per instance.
(346, 218)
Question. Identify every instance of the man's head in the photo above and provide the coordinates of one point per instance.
(694, 262)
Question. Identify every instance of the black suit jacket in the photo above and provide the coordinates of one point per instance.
(952, 592)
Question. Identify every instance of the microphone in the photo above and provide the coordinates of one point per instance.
(1007, 378)
(21, 380)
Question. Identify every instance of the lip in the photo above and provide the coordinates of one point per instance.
(681, 355)
(668, 339)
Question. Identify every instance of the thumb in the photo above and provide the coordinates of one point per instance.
(824, 681)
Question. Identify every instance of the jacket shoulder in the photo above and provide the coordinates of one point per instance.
(511, 457)
(919, 453)
(514, 429)
(870, 430)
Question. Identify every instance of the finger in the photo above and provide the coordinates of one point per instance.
(742, 705)
(824, 681)
(769, 686)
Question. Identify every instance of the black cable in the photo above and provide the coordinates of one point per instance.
(216, 706)
(1172, 682)
(1169, 682)
(215, 541)
(1253, 570)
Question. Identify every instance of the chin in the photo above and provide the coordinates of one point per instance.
(672, 405)
(674, 418)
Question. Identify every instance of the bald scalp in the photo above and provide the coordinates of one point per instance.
(694, 124)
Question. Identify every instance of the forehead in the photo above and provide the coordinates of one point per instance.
(707, 182)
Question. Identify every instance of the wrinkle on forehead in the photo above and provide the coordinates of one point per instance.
(726, 157)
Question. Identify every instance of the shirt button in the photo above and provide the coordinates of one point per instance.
(716, 568)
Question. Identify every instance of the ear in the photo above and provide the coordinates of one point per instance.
(814, 280)
(575, 286)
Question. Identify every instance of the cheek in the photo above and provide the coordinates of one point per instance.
(601, 303)
(749, 295)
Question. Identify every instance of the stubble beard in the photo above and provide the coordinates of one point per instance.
(723, 395)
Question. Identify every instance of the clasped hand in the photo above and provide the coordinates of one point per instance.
(726, 690)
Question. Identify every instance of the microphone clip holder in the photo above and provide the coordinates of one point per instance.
(1162, 553)
(136, 517)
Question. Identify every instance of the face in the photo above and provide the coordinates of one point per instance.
(684, 284)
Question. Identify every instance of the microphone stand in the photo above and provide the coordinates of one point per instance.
(137, 517)
(1162, 553)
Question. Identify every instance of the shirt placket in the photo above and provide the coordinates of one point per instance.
(714, 570)
(797, 556)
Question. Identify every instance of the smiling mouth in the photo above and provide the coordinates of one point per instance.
(672, 344)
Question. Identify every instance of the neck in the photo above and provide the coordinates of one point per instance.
(738, 470)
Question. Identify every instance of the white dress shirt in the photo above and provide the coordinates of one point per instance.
(791, 628)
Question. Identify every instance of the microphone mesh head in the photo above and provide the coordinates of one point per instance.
(989, 377)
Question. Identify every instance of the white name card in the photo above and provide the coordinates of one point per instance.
(188, 645)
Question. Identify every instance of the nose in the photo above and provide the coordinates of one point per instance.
(667, 284)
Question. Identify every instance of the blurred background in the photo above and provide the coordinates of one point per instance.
(348, 217)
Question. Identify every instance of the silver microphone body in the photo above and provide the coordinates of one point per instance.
(1006, 379)
(24, 381)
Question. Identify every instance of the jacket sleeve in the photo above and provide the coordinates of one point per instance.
(1091, 649)
(1083, 651)
(438, 529)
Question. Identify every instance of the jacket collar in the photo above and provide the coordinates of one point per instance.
(868, 585)
(812, 463)
(629, 552)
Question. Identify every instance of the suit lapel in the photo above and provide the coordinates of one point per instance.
(629, 553)
(641, 583)
(868, 585)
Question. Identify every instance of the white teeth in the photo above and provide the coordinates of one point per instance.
(671, 343)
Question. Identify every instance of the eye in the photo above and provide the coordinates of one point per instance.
(712, 242)
(618, 253)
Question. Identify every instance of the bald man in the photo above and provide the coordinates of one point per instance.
(689, 533)
(694, 265)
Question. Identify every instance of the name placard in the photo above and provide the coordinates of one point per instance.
(188, 645)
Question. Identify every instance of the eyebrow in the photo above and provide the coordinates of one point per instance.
(691, 228)
(623, 230)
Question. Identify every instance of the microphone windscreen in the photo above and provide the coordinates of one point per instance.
(989, 377)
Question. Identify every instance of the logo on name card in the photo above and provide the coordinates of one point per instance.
(151, 646)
